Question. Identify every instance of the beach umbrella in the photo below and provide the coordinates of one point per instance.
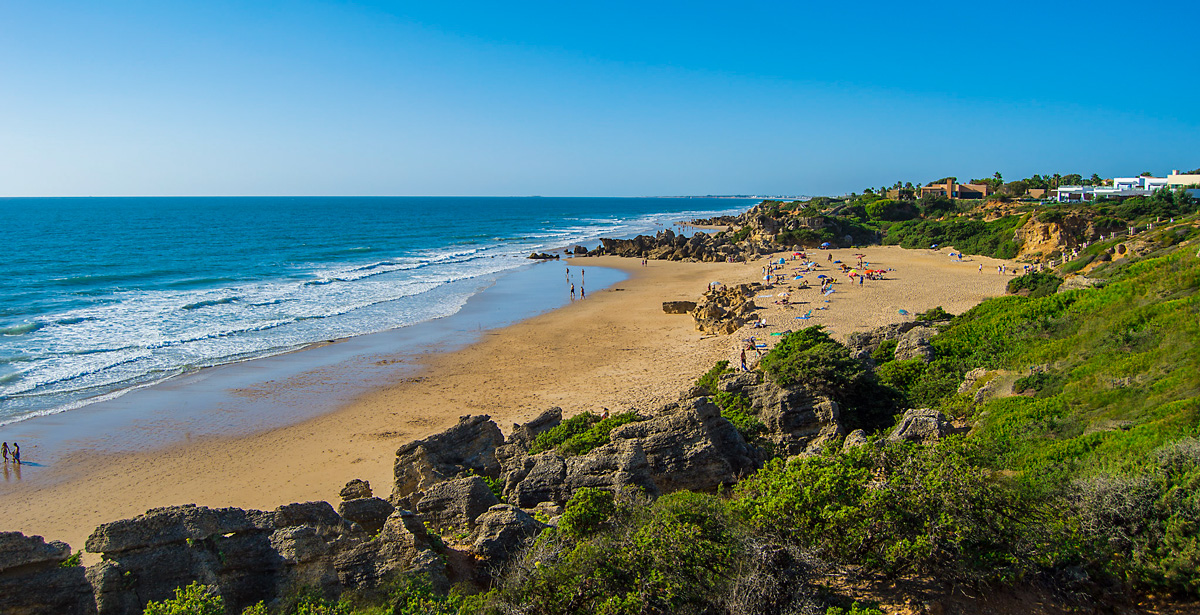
(781, 261)
(822, 276)
(825, 245)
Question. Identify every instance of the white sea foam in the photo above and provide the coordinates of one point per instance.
(142, 337)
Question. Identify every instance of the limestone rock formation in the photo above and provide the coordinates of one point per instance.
(689, 446)
(914, 344)
(863, 343)
(368, 512)
(678, 307)
(34, 582)
(725, 309)
(355, 489)
(247, 555)
(469, 445)
(921, 425)
(501, 532)
(855, 439)
(455, 504)
(797, 420)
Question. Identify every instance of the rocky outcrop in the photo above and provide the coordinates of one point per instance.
(1077, 282)
(524, 434)
(797, 421)
(725, 309)
(542, 256)
(246, 555)
(856, 439)
(914, 344)
(678, 307)
(666, 245)
(501, 533)
(355, 489)
(370, 513)
(921, 425)
(33, 580)
(468, 446)
(863, 343)
(689, 446)
(453, 505)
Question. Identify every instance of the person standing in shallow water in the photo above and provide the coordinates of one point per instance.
(16, 453)
(4, 449)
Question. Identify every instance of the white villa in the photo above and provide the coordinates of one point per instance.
(1122, 187)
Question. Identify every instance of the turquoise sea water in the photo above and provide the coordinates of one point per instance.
(103, 295)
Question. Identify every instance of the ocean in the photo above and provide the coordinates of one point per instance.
(101, 296)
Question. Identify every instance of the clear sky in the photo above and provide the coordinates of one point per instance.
(219, 97)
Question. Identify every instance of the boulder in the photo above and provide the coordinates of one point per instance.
(368, 512)
(856, 439)
(689, 446)
(736, 381)
(401, 547)
(454, 504)
(921, 425)
(969, 380)
(147, 557)
(678, 307)
(172, 524)
(33, 581)
(797, 420)
(356, 489)
(531, 480)
(862, 344)
(501, 532)
(469, 445)
(18, 550)
(914, 344)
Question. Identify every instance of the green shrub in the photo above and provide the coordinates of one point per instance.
(1039, 284)
(72, 561)
(565, 430)
(596, 435)
(741, 234)
(736, 408)
(589, 511)
(937, 313)
(855, 609)
(885, 352)
(195, 599)
(899, 509)
(708, 381)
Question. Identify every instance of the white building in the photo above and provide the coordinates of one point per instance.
(1121, 187)
(1183, 179)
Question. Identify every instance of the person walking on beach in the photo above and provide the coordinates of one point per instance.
(980, 267)
(16, 453)
(744, 368)
(4, 449)
(572, 292)
(582, 293)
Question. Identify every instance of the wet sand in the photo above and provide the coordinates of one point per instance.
(616, 350)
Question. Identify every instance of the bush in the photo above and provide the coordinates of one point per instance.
(736, 408)
(588, 511)
(1039, 284)
(195, 599)
(899, 509)
(708, 382)
(562, 432)
(596, 435)
(675, 555)
(885, 352)
(936, 313)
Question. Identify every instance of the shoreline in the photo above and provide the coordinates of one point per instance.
(617, 349)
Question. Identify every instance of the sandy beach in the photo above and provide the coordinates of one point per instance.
(616, 349)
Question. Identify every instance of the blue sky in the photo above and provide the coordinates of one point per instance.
(614, 98)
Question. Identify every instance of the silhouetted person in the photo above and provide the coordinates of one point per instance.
(4, 449)
(16, 453)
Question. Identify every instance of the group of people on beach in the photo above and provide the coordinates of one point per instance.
(14, 452)
(582, 292)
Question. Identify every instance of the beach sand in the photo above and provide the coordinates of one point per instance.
(616, 350)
